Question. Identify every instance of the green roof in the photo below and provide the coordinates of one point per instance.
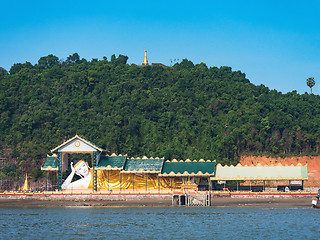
(188, 168)
(153, 165)
(261, 172)
(51, 164)
(111, 162)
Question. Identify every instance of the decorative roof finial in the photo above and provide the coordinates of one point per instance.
(145, 60)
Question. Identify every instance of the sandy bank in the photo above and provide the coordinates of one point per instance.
(86, 200)
(147, 201)
(263, 202)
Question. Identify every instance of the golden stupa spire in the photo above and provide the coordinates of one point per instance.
(145, 60)
(25, 186)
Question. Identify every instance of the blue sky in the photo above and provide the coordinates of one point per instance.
(275, 43)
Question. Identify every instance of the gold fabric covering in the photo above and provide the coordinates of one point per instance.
(134, 181)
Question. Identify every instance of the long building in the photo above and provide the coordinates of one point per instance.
(119, 172)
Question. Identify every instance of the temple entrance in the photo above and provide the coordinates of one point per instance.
(76, 148)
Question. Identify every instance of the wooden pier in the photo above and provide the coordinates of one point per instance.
(192, 199)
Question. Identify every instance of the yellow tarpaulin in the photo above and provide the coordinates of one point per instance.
(112, 179)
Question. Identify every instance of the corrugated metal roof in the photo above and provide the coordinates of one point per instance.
(188, 168)
(138, 165)
(111, 162)
(50, 164)
(261, 172)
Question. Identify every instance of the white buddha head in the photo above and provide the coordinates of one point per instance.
(82, 168)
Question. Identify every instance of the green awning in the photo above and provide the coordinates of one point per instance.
(111, 162)
(51, 164)
(143, 165)
(188, 168)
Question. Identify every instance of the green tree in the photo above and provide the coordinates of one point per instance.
(311, 82)
(10, 171)
(48, 61)
(122, 59)
(184, 64)
(18, 66)
(3, 72)
(74, 58)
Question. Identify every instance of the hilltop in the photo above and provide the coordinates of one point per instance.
(183, 111)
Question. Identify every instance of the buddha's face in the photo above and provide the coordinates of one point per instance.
(82, 168)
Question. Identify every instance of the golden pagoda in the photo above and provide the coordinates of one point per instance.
(145, 60)
(25, 186)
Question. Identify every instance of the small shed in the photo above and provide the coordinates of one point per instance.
(260, 173)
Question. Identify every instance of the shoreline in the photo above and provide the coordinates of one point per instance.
(263, 202)
(148, 201)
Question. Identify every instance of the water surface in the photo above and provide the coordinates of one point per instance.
(159, 223)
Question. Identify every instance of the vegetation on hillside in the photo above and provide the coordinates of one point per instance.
(183, 111)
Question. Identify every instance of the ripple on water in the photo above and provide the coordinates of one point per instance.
(164, 223)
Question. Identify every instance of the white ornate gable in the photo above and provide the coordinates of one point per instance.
(77, 145)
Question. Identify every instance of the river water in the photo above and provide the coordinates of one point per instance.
(160, 223)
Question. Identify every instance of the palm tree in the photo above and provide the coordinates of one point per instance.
(311, 82)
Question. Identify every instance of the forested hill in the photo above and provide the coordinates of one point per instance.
(183, 111)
